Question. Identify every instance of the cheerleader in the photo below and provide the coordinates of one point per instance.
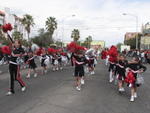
(91, 65)
(64, 59)
(121, 71)
(14, 67)
(134, 68)
(112, 61)
(44, 64)
(32, 64)
(79, 62)
(59, 57)
(55, 62)
(26, 57)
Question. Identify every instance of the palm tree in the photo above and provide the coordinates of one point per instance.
(28, 22)
(17, 35)
(88, 41)
(75, 35)
(51, 26)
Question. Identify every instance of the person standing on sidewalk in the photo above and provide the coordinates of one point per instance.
(14, 67)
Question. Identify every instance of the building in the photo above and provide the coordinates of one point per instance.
(7, 17)
(130, 39)
(2, 17)
(131, 35)
(145, 42)
(98, 43)
(145, 39)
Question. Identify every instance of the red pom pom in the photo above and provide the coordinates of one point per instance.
(113, 53)
(7, 27)
(39, 51)
(72, 46)
(52, 50)
(130, 78)
(6, 50)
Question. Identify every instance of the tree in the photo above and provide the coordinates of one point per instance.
(42, 39)
(88, 41)
(119, 46)
(17, 35)
(3, 39)
(51, 26)
(75, 35)
(28, 22)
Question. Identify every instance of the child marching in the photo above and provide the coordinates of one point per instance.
(32, 64)
(121, 72)
(14, 67)
(135, 68)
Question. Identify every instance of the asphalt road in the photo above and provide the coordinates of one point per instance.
(55, 93)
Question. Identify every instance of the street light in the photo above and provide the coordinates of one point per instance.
(63, 26)
(136, 17)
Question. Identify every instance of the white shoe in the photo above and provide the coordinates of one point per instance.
(135, 95)
(82, 82)
(121, 89)
(9, 93)
(93, 72)
(28, 76)
(78, 88)
(61, 68)
(23, 89)
(111, 80)
(132, 99)
(35, 75)
(45, 71)
(57, 69)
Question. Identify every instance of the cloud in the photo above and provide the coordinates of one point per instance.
(102, 19)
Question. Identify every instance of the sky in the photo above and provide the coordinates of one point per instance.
(102, 19)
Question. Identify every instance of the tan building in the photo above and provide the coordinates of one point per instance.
(145, 42)
(98, 43)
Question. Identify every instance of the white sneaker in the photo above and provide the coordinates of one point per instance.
(57, 69)
(9, 93)
(121, 89)
(93, 72)
(78, 88)
(135, 95)
(23, 89)
(111, 80)
(45, 71)
(35, 75)
(132, 99)
(28, 76)
(82, 82)
(61, 68)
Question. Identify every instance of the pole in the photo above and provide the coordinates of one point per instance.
(136, 36)
(137, 32)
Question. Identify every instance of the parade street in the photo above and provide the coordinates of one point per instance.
(55, 93)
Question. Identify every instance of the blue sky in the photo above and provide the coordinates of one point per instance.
(102, 19)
